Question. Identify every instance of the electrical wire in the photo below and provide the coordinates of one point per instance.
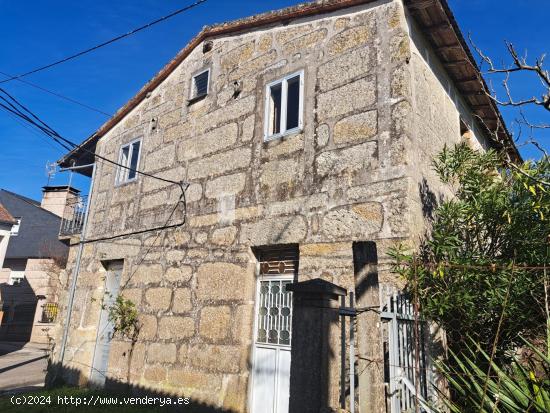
(114, 39)
(14, 111)
(48, 130)
(31, 130)
(59, 95)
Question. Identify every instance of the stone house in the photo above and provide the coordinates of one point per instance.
(303, 138)
(31, 260)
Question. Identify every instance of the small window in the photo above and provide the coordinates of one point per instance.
(16, 277)
(199, 88)
(128, 162)
(15, 227)
(283, 106)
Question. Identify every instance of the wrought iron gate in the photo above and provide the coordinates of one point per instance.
(405, 360)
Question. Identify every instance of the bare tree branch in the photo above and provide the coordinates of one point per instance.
(519, 64)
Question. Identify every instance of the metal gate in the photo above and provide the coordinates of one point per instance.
(405, 361)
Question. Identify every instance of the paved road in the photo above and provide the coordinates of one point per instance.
(22, 366)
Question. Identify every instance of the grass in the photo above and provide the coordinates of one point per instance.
(47, 401)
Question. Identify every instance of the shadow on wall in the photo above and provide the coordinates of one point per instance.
(117, 388)
(17, 311)
(315, 346)
(428, 199)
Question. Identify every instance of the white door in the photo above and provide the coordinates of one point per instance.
(105, 327)
(273, 335)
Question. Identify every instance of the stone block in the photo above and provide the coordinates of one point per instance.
(357, 221)
(215, 323)
(132, 294)
(350, 38)
(322, 135)
(284, 146)
(280, 230)
(188, 379)
(400, 84)
(401, 115)
(201, 237)
(225, 185)
(164, 197)
(161, 353)
(155, 373)
(326, 249)
(160, 158)
(158, 299)
(400, 48)
(224, 236)
(210, 142)
(218, 358)
(146, 273)
(248, 129)
(280, 171)
(265, 43)
(348, 160)
(344, 68)
(174, 256)
(220, 281)
(258, 64)
(237, 55)
(291, 32)
(182, 301)
(236, 393)
(356, 128)
(219, 163)
(177, 328)
(148, 327)
(348, 98)
(304, 43)
(193, 192)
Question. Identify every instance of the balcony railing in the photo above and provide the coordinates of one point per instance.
(49, 313)
(74, 216)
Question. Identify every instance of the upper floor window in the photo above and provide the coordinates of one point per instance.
(199, 86)
(128, 162)
(15, 227)
(284, 106)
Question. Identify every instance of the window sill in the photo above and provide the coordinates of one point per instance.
(286, 134)
(196, 99)
(121, 184)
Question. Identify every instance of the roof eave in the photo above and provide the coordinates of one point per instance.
(304, 10)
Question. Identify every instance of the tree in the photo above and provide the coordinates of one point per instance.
(478, 272)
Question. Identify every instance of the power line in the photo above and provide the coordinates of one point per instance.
(59, 95)
(34, 132)
(13, 110)
(83, 52)
(49, 131)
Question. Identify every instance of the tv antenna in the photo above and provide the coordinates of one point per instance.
(51, 169)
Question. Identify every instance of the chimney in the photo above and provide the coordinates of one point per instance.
(56, 198)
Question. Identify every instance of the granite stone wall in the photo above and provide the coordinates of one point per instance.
(351, 174)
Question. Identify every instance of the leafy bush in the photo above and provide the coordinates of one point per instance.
(522, 387)
(469, 272)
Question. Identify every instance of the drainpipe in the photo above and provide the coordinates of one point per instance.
(76, 269)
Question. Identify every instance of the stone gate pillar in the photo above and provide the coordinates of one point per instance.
(370, 369)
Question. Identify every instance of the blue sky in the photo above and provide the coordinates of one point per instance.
(36, 32)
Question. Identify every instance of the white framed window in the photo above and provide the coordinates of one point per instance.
(200, 84)
(284, 101)
(15, 227)
(128, 162)
(16, 277)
